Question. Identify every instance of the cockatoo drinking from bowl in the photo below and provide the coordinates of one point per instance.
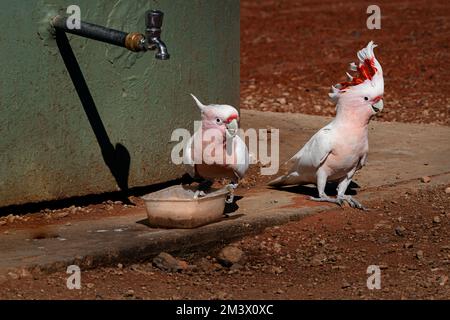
(216, 150)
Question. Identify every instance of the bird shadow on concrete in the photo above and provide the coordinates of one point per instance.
(311, 190)
(117, 158)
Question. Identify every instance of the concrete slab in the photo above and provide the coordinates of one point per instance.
(400, 154)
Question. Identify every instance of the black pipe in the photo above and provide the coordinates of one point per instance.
(92, 31)
(133, 41)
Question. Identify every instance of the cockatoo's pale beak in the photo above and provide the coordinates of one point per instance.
(378, 106)
(232, 128)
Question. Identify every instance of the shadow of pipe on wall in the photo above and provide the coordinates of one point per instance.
(117, 157)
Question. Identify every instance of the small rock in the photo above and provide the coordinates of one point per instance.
(447, 190)
(129, 293)
(72, 209)
(436, 219)
(408, 245)
(166, 262)
(13, 275)
(222, 295)
(419, 254)
(443, 280)
(425, 179)
(134, 267)
(90, 285)
(61, 214)
(120, 266)
(318, 259)
(2, 222)
(24, 273)
(277, 247)
(282, 100)
(400, 231)
(230, 255)
(345, 284)
(277, 270)
(317, 108)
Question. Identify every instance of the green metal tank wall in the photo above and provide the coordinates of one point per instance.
(48, 147)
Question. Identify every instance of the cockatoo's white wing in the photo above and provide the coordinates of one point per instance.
(316, 150)
(305, 163)
(242, 158)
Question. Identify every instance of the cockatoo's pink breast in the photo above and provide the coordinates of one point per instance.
(216, 163)
(350, 146)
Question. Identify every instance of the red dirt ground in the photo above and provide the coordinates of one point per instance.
(324, 256)
(292, 52)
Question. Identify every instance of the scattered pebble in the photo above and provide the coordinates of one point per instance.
(400, 231)
(425, 179)
(419, 254)
(61, 214)
(318, 259)
(277, 270)
(230, 255)
(166, 262)
(129, 294)
(436, 219)
(282, 100)
(443, 280)
(408, 245)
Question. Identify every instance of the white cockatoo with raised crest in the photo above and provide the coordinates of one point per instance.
(340, 148)
(216, 150)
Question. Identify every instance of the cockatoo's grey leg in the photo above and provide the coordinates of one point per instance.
(342, 187)
(202, 188)
(321, 183)
(231, 187)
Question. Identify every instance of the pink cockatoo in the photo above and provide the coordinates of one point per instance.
(340, 148)
(216, 150)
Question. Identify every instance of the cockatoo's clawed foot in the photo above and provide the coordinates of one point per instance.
(231, 187)
(230, 198)
(327, 199)
(199, 194)
(353, 202)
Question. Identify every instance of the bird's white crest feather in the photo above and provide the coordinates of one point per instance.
(367, 63)
(200, 105)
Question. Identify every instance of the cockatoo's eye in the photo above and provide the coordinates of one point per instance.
(218, 121)
(366, 98)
